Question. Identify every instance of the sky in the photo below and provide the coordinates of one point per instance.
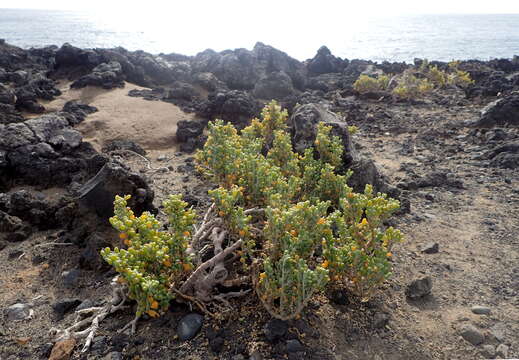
(229, 9)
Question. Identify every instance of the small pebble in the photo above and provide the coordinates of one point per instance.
(480, 310)
(502, 351)
(430, 248)
(189, 326)
(19, 312)
(472, 334)
(294, 346)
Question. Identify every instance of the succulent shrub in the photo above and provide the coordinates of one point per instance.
(154, 260)
(303, 228)
(365, 83)
(411, 87)
(313, 231)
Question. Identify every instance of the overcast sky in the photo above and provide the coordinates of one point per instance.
(228, 9)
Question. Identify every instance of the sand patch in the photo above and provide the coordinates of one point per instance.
(151, 124)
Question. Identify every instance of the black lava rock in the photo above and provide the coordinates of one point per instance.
(189, 326)
(419, 288)
(275, 329)
(64, 306)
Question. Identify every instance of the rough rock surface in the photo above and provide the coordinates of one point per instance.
(504, 111)
(324, 62)
(235, 106)
(115, 179)
(106, 75)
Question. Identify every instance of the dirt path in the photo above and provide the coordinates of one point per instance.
(476, 228)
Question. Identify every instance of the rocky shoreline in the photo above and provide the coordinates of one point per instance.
(56, 185)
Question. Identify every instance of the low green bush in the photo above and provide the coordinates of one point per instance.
(303, 228)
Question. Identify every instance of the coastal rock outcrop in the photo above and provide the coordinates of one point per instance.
(235, 106)
(275, 85)
(502, 112)
(69, 55)
(106, 75)
(324, 62)
(241, 69)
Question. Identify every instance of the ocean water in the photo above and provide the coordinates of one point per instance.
(396, 38)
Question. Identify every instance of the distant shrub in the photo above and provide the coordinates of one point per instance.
(436, 76)
(365, 83)
(411, 87)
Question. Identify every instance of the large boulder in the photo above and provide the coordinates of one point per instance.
(491, 84)
(182, 91)
(269, 59)
(15, 135)
(69, 55)
(133, 73)
(276, 85)
(9, 114)
(7, 96)
(303, 124)
(78, 110)
(189, 129)
(106, 75)
(113, 179)
(208, 81)
(154, 69)
(46, 126)
(241, 69)
(44, 150)
(504, 156)
(37, 87)
(324, 62)
(235, 106)
(502, 112)
(325, 82)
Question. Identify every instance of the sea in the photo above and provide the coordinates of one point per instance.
(378, 38)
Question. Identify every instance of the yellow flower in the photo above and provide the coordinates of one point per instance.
(389, 254)
(353, 248)
(321, 221)
(364, 222)
(186, 233)
(262, 276)
(123, 236)
(325, 264)
(154, 304)
(153, 313)
(186, 266)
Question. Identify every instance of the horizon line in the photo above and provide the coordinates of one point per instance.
(367, 15)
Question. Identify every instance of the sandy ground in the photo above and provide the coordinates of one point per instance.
(151, 124)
